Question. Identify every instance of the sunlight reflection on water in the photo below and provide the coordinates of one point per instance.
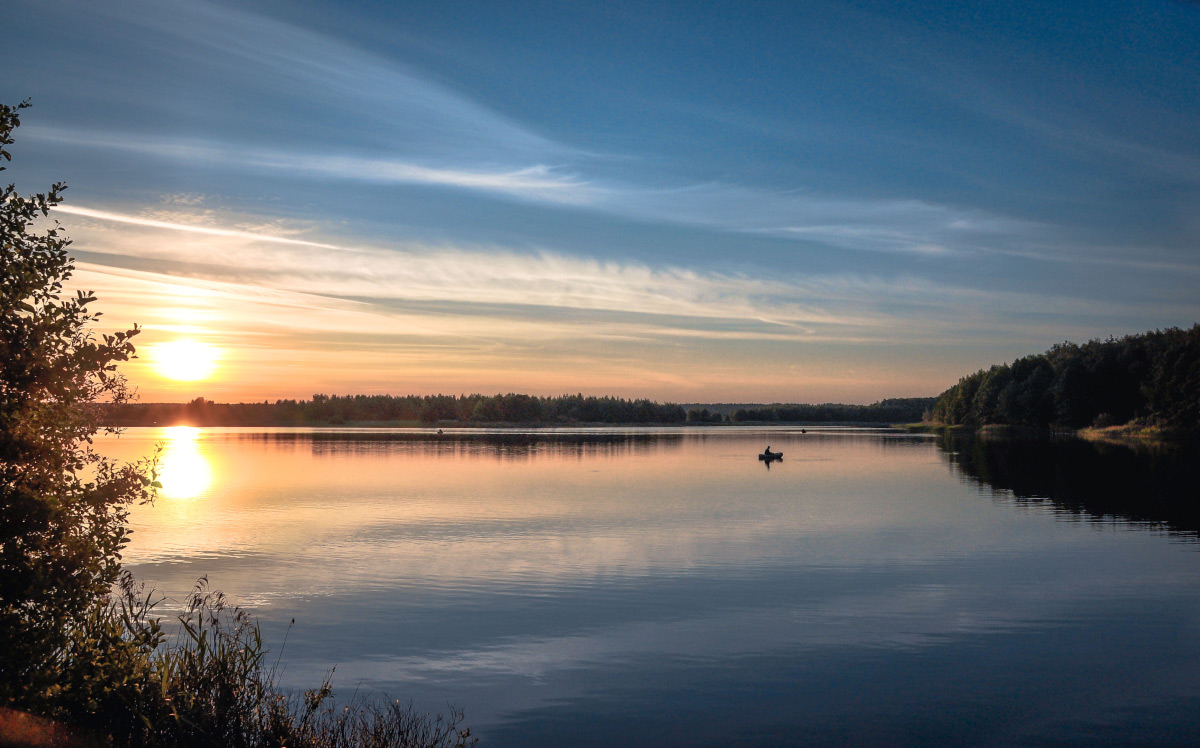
(183, 469)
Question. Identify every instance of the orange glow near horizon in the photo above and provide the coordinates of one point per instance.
(232, 342)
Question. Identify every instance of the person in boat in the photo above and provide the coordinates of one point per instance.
(768, 451)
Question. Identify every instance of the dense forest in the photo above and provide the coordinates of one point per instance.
(1151, 379)
(428, 409)
(895, 410)
(495, 409)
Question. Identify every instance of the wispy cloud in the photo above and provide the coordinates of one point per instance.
(891, 226)
(302, 315)
(336, 110)
(535, 182)
(392, 101)
(191, 228)
(875, 225)
(631, 298)
(397, 125)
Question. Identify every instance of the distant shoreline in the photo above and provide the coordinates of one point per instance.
(505, 411)
(402, 424)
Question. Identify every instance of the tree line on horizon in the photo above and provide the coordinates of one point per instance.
(428, 409)
(1152, 378)
(507, 409)
(891, 410)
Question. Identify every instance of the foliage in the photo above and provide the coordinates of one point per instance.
(62, 506)
(507, 409)
(1152, 378)
(702, 415)
(894, 410)
(211, 686)
(334, 409)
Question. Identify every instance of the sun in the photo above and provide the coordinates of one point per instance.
(184, 360)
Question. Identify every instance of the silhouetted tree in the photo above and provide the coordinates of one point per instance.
(62, 506)
(1153, 378)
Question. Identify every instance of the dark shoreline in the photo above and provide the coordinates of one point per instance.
(1142, 481)
(1131, 435)
(511, 425)
(502, 411)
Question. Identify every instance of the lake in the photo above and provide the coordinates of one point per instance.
(661, 587)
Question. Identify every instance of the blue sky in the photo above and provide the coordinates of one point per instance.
(694, 202)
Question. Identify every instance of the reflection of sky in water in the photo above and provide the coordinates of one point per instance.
(598, 586)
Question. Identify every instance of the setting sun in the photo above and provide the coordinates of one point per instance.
(184, 360)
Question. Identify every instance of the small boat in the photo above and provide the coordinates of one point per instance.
(768, 456)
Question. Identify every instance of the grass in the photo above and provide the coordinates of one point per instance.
(1127, 433)
(129, 684)
(1136, 434)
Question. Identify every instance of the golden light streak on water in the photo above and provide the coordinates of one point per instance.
(184, 470)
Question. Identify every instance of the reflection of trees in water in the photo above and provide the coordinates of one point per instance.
(503, 446)
(1103, 482)
(526, 444)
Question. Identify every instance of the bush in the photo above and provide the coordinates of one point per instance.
(210, 686)
(62, 506)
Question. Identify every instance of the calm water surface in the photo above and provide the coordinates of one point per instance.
(663, 587)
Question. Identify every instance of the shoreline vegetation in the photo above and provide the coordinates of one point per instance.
(507, 410)
(1139, 387)
(1130, 435)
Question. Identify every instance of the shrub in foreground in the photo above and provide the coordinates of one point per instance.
(210, 684)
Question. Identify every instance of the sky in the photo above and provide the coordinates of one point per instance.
(692, 202)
